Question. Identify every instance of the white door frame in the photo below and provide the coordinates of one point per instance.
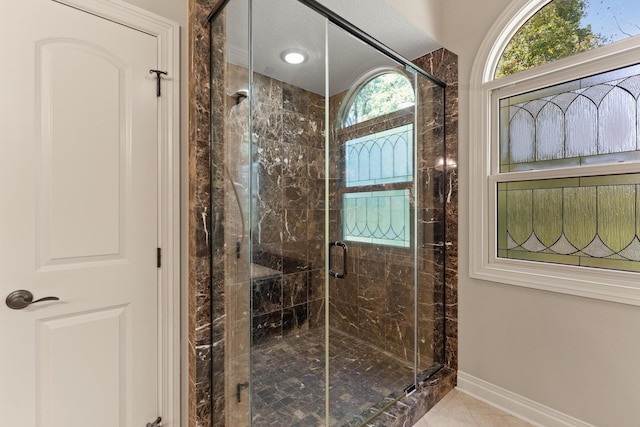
(168, 36)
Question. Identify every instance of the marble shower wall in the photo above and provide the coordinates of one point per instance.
(206, 343)
(444, 65)
(288, 221)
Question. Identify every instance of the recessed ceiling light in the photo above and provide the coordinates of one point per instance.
(293, 56)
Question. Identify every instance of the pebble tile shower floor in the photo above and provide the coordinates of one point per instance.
(288, 380)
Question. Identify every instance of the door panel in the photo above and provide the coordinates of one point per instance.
(83, 151)
(102, 335)
(78, 219)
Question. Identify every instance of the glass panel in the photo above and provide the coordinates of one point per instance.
(566, 27)
(587, 124)
(231, 147)
(287, 228)
(371, 309)
(593, 224)
(435, 175)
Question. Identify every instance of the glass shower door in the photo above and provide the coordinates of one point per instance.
(370, 236)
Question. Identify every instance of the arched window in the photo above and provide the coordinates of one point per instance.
(375, 129)
(378, 96)
(563, 28)
(556, 133)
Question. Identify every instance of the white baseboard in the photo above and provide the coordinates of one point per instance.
(514, 404)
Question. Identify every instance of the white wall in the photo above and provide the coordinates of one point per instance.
(578, 356)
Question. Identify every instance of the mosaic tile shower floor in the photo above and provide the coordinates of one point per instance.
(289, 374)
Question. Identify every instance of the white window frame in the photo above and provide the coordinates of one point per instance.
(485, 92)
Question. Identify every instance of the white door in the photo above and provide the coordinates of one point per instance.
(78, 219)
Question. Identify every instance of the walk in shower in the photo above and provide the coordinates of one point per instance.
(328, 216)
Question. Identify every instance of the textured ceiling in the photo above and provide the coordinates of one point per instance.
(279, 25)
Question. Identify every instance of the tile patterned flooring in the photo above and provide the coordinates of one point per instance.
(289, 380)
(457, 409)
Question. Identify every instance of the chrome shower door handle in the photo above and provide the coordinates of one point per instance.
(345, 252)
(22, 298)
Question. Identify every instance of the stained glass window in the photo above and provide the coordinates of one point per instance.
(588, 221)
(380, 158)
(380, 217)
(581, 122)
(378, 161)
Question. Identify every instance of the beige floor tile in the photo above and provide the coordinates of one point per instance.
(460, 410)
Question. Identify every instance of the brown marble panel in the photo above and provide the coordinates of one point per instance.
(343, 317)
(301, 101)
(399, 338)
(316, 314)
(316, 284)
(267, 327)
(295, 320)
(371, 327)
(400, 301)
(372, 294)
(266, 295)
(295, 288)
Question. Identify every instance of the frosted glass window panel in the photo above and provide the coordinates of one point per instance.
(617, 122)
(580, 122)
(377, 217)
(547, 215)
(550, 133)
(589, 221)
(522, 135)
(632, 85)
(380, 158)
(582, 128)
(617, 215)
(580, 215)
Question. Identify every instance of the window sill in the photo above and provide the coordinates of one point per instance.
(606, 285)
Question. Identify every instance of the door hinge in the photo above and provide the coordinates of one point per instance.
(156, 423)
(159, 258)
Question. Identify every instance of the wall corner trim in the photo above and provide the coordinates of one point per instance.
(519, 406)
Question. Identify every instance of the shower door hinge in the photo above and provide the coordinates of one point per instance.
(159, 258)
(409, 69)
(410, 390)
(156, 423)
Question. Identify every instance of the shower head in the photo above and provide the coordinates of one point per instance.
(240, 96)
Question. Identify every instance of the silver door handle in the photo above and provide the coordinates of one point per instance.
(345, 252)
(22, 298)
